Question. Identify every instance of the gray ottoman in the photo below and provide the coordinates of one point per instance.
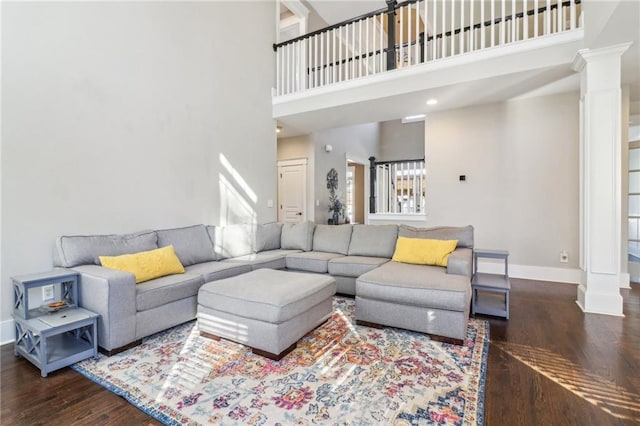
(267, 310)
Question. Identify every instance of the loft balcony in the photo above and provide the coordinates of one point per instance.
(459, 50)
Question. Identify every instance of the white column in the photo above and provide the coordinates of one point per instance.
(600, 179)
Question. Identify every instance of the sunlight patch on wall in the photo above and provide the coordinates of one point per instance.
(237, 199)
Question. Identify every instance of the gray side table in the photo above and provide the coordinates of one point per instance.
(490, 292)
(57, 340)
(52, 340)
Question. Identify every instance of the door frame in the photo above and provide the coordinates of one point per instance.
(287, 163)
(350, 158)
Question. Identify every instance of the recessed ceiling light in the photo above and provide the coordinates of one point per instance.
(432, 101)
(278, 128)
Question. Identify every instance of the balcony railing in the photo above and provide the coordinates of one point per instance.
(397, 186)
(412, 33)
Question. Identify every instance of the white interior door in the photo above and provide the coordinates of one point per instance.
(292, 187)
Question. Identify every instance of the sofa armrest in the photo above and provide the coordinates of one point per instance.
(112, 295)
(460, 262)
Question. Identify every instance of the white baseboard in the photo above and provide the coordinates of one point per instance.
(7, 332)
(540, 273)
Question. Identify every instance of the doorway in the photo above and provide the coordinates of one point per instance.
(355, 192)
(292, 191)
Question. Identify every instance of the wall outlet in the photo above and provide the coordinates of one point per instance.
(564, 256)
(47, 293)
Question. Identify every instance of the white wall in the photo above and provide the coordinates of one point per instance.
(358, 143)
(521, 161)
(301, 147)
(401, 141)
(125, 116)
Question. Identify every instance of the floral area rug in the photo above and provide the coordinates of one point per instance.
(340, 373)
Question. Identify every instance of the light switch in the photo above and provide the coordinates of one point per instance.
(270, 203)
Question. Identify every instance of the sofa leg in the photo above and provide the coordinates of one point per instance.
(443, 339)
(120, 349)
(274, 357)
(368, 324)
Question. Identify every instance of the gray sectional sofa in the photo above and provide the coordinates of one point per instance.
(430, 299)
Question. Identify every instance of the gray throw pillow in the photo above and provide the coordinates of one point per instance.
(191, 244)
(297, 236)
(268, 236)
(373, 240)
(464, 234)
(85, 249)
(332, 239)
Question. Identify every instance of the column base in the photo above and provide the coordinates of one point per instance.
(599, 302)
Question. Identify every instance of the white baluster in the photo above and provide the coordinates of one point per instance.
(417, 34)
(547, 18)
(503, 23)
(461, 34)
(434, 41)
(426, 32)
(572, 6)
(400, 47)
(381, 56)
(483, 35)
(560, 24)
(444, 23)
(535, 18)
(452, 42)
(408, 9)
(353, 50)
(472, 38)
(513, 20)
(525, 22)
(278, 71)
(493, 21)
(366, 50)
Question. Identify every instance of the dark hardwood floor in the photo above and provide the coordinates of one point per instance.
(549, 364)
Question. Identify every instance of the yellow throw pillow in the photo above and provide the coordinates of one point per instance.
(420, 251)
(146, 265)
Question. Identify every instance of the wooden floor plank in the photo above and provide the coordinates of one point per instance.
(549, 364)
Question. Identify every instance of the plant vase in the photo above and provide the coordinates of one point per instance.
(336, 219)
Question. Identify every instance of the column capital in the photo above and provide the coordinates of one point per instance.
(587, 55)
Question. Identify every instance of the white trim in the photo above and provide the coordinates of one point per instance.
(625, 280)
(7, 332)
(530, 272)
(292, 162)
(401, 217)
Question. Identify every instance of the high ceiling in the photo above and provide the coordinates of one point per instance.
(611, 22)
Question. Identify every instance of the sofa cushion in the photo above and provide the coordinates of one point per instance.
(272, 259)
(423, 251)
(212, 271)
(297, 236)
(146, 265)
(415, 285)
(373, 240)
(161, 291)
(254, 296)
(464, 234)
(354, 266)
(84, 250)
(192, 243)
(310, 261)
(268, 236)
(332, 239)
(234, 240)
